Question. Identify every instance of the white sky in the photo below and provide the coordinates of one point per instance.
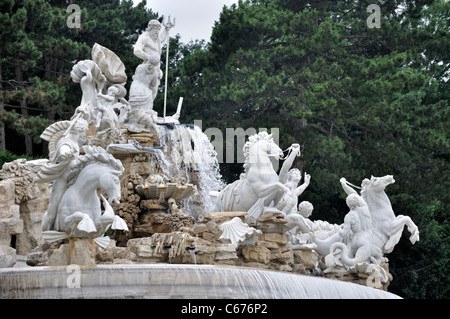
(194, 18)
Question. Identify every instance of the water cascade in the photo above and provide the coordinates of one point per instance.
(190, 155)
(174, 281)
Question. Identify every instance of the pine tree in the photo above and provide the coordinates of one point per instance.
(361, 101)
(40, 50)
(21, 53)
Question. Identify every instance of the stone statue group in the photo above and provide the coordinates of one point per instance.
(75, 207)
(370, 228)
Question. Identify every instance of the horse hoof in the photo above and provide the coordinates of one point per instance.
(87, 225)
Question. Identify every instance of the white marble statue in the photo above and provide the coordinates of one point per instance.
(357, 232)
(149, 44)
(79, 210)
(148, 75)
(91, 80)
(237, 231)
(143, 91)
(308, 234)
(102, 81)
(95, 170)
(288, 202)
(259, 185)
(106, 117)
(388, 228)
(74, 207)
(291, 177)
(65, 139)
(301, 227)
(370, 229)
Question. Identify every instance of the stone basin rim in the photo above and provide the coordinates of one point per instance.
(207, 275)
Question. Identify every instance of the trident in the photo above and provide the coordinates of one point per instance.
(168, 26)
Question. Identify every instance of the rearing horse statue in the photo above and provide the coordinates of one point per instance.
(259, 185)
(387, 228)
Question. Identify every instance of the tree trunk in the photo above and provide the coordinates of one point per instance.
(23, 108)
(2, 108)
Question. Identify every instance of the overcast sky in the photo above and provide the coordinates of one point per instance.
(194, 18)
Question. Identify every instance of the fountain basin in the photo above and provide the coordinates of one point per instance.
(157, 281)
(169, 190)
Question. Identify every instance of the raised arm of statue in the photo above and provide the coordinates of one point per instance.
(299, 190)
(163, 34)
(347, 188)
(295, 151)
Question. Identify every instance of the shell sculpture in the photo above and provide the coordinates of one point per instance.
(110, 64)
(237, 231)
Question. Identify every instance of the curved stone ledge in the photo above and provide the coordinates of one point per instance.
(174, 281)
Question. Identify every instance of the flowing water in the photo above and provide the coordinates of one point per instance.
(174, 281)
(190, 155)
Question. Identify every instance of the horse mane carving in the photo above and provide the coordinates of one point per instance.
(252, 140)
(93, 154)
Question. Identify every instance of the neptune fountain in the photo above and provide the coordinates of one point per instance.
(132, 205)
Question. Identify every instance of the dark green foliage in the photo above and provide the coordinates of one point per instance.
(360, 102)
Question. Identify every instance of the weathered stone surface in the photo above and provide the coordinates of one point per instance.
(242, 263)
(10, 222)
(78, 251)
(278, 238)
(152, 223)
(220, 217)
(267, 244)
(272, 218)
(308, 258)
(31, 212)
(104, 257)
(258, 254)
(153, 204)
(121, 254)
(7, 196)
(11, 226)
(281, 256)
(8, 257)
(226, 252)
(37, 258)
(22, 204)
(199, 229)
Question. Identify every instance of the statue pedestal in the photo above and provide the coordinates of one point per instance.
(364, 274)
(79, 251)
